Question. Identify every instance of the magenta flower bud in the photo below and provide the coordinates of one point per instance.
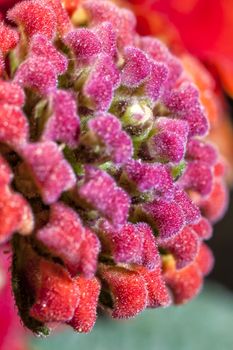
(197, 177)
(158, 76)
(107, 128)
(126, 244)
(198, 123)
(69, 246)
(103, 79)
(84, 43)
(166, 217)
(199, 150)
(150, 177)
(107, 37)
(100, 191)
(185, 102)
(203, 228)
(51, 172)
(190, 210)
(182, 100)
(41, 46)
(103, 166)
(169, 143)
(38, 74)
(178, 127)
(136, 67)
(131, 244)
(156, 50)
(64, 124)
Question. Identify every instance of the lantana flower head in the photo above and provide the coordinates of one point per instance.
(108, 187)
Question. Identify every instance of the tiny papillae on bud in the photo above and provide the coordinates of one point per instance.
(108, 187)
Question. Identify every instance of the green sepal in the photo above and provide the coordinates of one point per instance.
(178, 170)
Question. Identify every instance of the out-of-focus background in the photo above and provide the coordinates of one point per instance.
(203, 324)
(204, 29)
(222, 240)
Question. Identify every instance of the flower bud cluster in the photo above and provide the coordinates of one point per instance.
(108, 188)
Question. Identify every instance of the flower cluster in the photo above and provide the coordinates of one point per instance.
(108, 189)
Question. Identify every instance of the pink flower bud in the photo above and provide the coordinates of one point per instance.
(9, 38)
(158, 295)
(108, 129)
(64, 124)
(184, 283)
(36, 17)
(136, 67)
(41, 46)
(11, 93)
(51, 172)
(184, 247)
(86, 312)
(128, 291)
(107, 37)
(197, 177)
(13, 126)
(38, 74)
(203, 228)
(166, 217)
(103, 79)
(100, 191)
(148, 177)
(62, 18)
(122, 20)
(84, 43)
(53, 288)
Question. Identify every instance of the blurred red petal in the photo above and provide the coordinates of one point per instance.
(203, 27)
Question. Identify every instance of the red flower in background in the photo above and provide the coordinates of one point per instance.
(204, 27)
(6, 4)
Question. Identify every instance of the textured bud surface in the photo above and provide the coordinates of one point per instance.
(107, 185)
